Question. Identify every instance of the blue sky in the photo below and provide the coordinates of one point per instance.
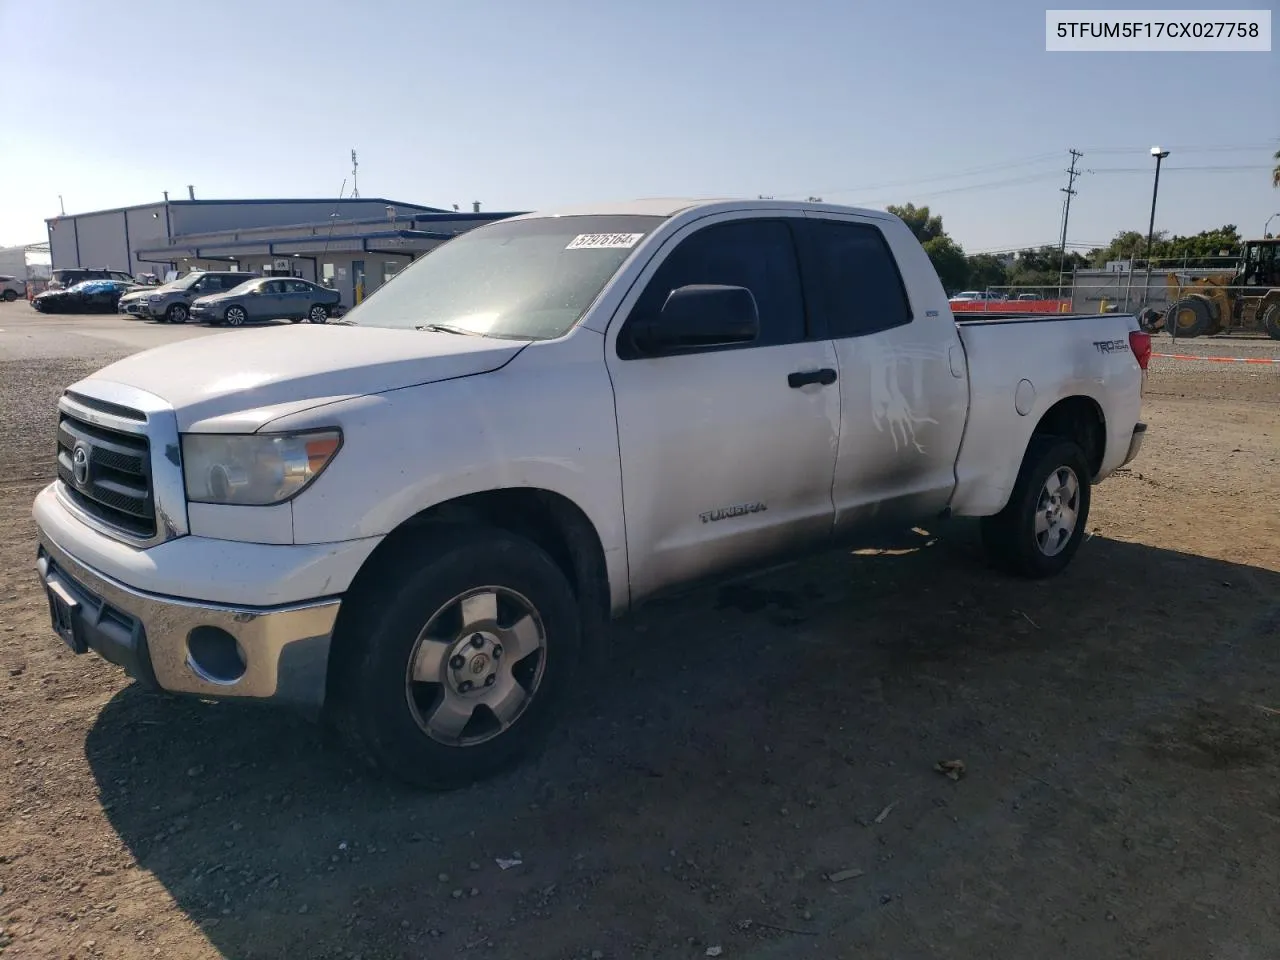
(522, 105)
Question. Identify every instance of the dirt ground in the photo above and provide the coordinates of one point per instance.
(752, 775)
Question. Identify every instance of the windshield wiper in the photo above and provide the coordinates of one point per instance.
(447, 328)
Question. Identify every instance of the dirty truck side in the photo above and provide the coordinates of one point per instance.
(414, 520)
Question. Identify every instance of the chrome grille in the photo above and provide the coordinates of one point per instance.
(112, 482)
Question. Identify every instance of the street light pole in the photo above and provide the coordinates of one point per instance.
(1268, 225)
(1151, 227)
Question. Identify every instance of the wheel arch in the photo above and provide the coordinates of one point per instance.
(549, 519)
(1079, 418)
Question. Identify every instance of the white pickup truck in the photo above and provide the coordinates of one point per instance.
(417, 517)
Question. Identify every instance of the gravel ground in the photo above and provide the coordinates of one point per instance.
(753, 773)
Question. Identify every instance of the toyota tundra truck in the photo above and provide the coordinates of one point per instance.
(413, 523)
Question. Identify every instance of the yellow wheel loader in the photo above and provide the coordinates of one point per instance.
(1247, 299)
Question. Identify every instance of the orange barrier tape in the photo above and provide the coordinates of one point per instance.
(1190, 356)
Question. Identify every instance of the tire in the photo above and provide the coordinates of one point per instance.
(1271, 320)
(10, 296)
(417, 731)
(178, 313)
(318, 314)
(1011, 536)
(1188, 317)
(235, 316)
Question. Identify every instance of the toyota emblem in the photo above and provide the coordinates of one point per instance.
(80, 464)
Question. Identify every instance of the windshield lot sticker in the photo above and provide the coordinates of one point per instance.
(604, 241)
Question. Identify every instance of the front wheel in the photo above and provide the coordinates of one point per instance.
(318, 314)
(449, 671)
(235, 316)
(176, 313)
(1188, 317)
(1271, 320)
(1041, 527)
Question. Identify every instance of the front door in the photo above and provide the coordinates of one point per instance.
(271, 303)
(357, 281)
(724, 462)
(903, 395)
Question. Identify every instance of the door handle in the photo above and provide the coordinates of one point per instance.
(826, 376)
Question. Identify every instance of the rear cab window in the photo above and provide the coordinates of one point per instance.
(855, 278)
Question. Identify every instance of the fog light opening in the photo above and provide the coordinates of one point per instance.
(215, 655)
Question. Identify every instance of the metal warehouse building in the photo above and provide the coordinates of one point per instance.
(352, 245)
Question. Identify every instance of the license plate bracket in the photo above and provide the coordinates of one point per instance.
(64, 613)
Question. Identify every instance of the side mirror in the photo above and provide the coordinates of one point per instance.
(255, 292)
(698, 316)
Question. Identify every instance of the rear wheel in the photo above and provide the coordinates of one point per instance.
(1271, 320)
(318, 314)
(1041, 527)
(176, 313)
(1189, 317)
(450, 671)
(236, 316)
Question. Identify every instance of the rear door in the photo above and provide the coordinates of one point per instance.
(724, 461)
(903, 396)
(301, 296)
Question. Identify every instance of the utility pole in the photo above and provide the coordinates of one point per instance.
(1070, 191)
(355, 186)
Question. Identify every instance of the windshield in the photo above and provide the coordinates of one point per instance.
(514, 279)
(244, 287)
(183, 282)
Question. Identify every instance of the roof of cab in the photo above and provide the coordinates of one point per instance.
(671, 206)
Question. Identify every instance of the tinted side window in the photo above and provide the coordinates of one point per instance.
(757, 254)
(299, 286)
(862, 291)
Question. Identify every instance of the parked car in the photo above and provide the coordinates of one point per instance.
(171, 303)
(968, 295)
(11, 288)
(88, 296)
(415, 519)
(65, 277)
(272, 298)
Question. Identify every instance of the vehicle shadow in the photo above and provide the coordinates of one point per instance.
(740, 743)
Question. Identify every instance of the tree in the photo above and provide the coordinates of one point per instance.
(919, 221)
(948, 260)
(1275, 173)
(1127, 245)
(987, 270)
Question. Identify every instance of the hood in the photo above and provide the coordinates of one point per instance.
(246, 378)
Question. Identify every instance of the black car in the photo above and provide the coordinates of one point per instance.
(66, 277)
(89, 296)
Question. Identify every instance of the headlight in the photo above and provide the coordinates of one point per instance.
(156, 296)
(256, 469)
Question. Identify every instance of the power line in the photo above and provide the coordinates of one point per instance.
(1191, 148)
(958, 175)
(1040, 158)
(991, 185)
(1197, 169)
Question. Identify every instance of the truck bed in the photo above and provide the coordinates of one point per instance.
(1013, 317)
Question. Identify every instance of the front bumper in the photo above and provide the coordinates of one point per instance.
(1135, 443)
(141, 308)
(277, 654)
